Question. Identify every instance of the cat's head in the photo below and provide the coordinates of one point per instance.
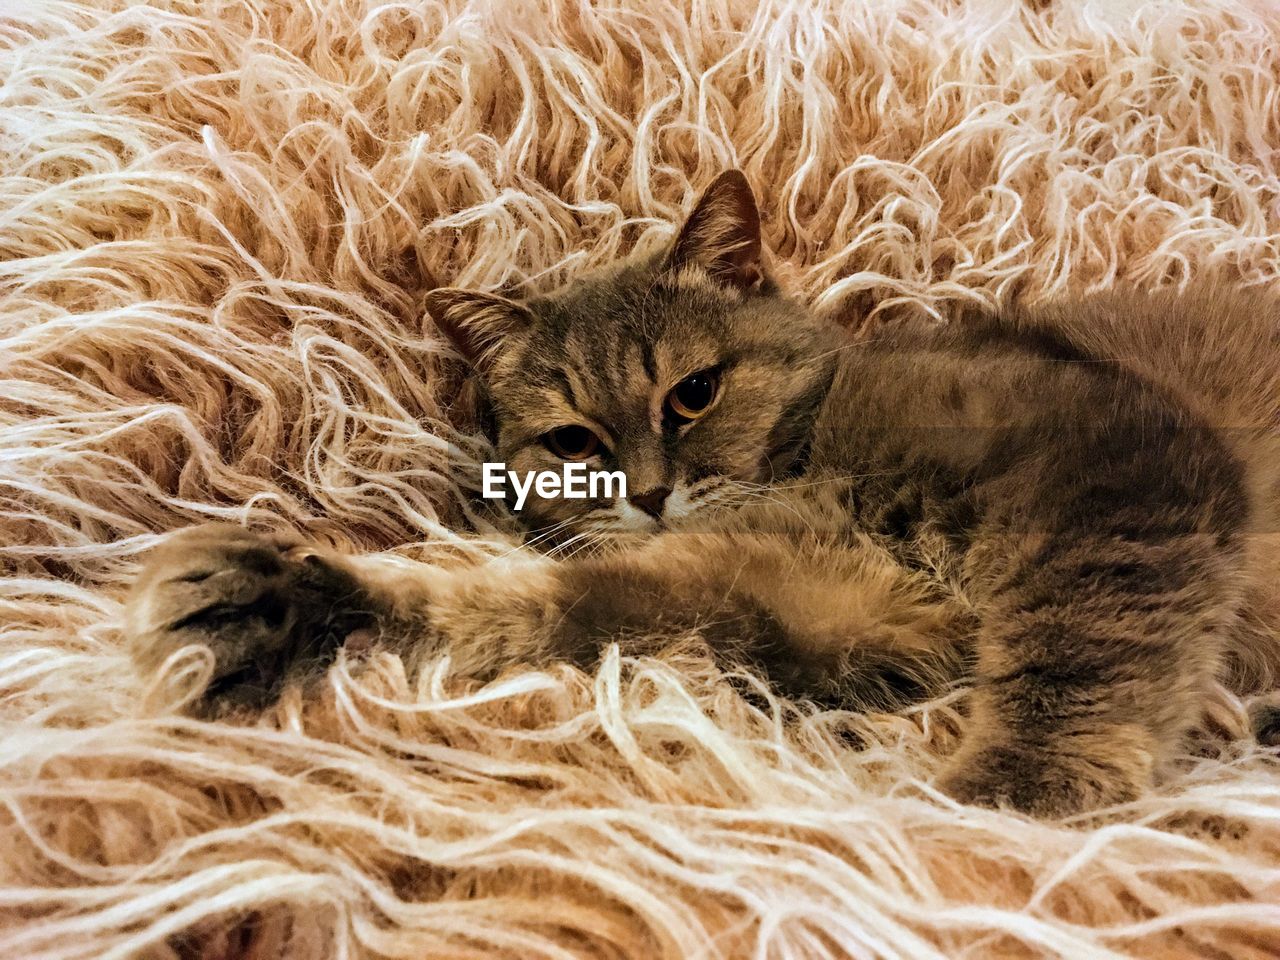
(688, 370)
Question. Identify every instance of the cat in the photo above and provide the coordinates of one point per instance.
(1071, 508)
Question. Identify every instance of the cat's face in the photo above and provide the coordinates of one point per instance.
(688, 371)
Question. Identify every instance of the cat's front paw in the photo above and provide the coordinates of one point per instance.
(1047, 781)
(270, 608)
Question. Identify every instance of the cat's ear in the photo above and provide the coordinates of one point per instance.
(476, 323)
(722, 235)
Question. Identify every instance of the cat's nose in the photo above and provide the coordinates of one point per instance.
(651, 501)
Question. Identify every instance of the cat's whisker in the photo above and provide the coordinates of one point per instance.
(543, 534)
(839, 478)
(848, 346)
(765, 496)
(564, 550)
(586, 541)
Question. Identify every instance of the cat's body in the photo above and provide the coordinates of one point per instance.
(1073, 508)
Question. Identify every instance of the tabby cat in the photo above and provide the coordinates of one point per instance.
(1072, 508)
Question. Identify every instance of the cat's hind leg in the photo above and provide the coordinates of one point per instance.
(1093, 661)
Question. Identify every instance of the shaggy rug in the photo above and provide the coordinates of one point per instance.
(217, 222)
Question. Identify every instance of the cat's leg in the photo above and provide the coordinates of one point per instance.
(1093, 660)
(836, 622)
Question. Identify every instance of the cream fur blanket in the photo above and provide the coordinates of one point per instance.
(218, 219)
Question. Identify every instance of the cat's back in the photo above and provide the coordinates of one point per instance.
(1215, 347)
(1212, 353)
(943, 395)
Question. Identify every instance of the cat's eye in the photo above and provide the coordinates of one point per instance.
(692, 397)
(572, 443)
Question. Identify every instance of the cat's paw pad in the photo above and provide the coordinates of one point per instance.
(269, 608)
(1045, 783)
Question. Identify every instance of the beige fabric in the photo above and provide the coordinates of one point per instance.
(218, 220)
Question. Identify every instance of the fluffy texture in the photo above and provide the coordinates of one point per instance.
(218, 224)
